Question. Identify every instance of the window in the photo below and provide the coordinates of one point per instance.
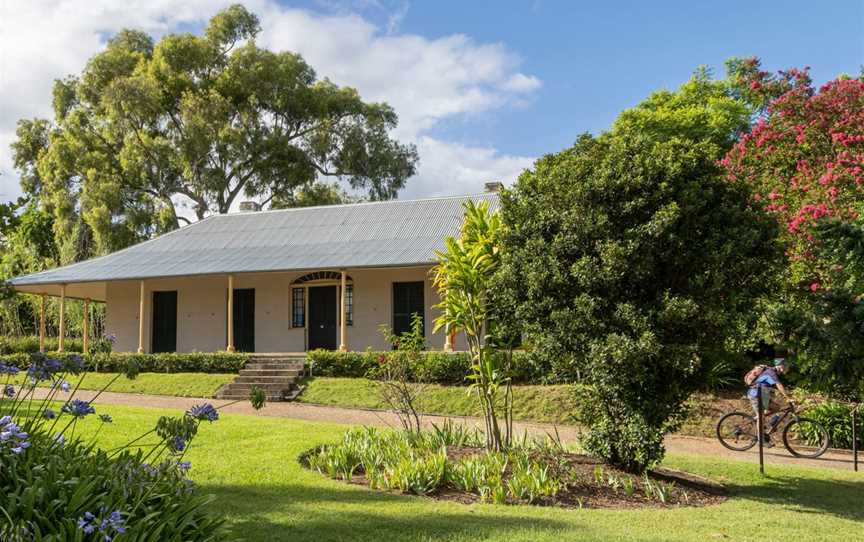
(298, 307)
(349, 305)
(407, 300)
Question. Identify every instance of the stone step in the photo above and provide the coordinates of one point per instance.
(275, 374)
(274, 366)
(271, 372)
(247, 386)
(241, 397)
(274, 379)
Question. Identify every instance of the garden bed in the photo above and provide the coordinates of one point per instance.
(439, 466)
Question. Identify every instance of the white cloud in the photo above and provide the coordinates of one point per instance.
(425, 80)
(451, 168)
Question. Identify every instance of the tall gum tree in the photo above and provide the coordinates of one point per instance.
(199, 121)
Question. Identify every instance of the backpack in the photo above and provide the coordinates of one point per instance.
(753, 374)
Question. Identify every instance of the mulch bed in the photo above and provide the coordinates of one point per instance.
(583, 490)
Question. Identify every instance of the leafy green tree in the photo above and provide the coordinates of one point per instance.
(626, 258)
(827, 325)
(702, 109)
(313, 195)
(198, 121)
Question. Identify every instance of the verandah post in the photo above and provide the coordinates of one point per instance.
(343, 347)
(86, 330)
(42, 323)
(62, 331)
(230, 347)
(141, 317)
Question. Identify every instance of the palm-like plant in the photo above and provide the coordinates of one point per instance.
(463, 277)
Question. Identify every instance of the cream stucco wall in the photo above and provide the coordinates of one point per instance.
(202, 310)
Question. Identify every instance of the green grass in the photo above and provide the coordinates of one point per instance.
(250, 465)
(179, 384)
(550, 404)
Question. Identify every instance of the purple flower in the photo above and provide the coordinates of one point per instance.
(184, 466)
(177, 444)
(78, 408)
(63, 385)
(49, 414)
(110, 525)
(86, 523)
(12, 436)
(203, 412)
(75, 364)
(9, 390)
(43, 367)
(105, 418)
(8, 369)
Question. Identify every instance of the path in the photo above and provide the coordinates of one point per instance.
(353, 416)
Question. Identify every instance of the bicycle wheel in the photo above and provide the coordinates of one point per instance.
(737, 431)
(805, 438)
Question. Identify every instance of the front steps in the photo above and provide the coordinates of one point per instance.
(276, 374)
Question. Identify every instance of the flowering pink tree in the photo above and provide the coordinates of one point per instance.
(803, 157)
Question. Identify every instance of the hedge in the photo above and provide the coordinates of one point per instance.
(197, 362)
(431, 367)
(30, 343)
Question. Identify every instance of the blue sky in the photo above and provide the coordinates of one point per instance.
(597, 58)
(482, 88)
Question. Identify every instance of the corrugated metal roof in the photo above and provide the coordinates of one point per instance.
(374, 234)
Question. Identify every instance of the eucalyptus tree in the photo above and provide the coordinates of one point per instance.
(198, 120)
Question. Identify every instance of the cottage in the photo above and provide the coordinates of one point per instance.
(271, 281)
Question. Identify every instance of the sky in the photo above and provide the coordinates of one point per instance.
(482, 88)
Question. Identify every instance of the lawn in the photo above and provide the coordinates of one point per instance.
(250, 465)
(179, 384)
(549, 404)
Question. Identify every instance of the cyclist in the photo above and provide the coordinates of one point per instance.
(767, 378)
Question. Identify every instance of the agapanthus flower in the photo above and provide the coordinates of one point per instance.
(177, 444)
(78, 408)
(110, 525)
(203, 412)
(105, 418)
(12, 436)
(184, 466)
(8, 369)
(49, 414)
(43, 367)
(9, 390)
(63, 385)
(75, 364)
(86, 523)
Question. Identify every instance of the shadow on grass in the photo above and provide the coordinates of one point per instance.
(303, 513)
(840, 498)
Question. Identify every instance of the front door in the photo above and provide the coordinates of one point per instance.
(244, 320)
(322, 317)
(164, 322)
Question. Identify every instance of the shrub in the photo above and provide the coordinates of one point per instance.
(433, 367)
(837, 419)
(30, 343)
(196, 362)
(626, 258)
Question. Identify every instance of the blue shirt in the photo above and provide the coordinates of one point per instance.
(767, 378)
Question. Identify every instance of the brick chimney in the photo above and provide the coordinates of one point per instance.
(494, 186)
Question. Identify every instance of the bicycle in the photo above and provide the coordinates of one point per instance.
(801, 436)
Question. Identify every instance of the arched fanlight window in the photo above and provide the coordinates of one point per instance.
(322, 275)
